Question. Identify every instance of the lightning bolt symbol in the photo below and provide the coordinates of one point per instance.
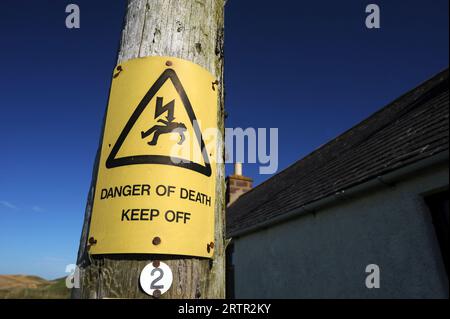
(168, 108)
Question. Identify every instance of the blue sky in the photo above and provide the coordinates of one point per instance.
(309, 68)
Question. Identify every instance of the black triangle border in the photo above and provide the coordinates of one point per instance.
(113, 162)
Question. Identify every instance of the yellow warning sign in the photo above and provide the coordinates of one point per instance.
(155, 190)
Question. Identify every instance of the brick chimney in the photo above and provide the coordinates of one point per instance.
(237, 185)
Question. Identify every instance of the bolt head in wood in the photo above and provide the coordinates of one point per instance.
(169, 63)
(157, 293)
(156, 264)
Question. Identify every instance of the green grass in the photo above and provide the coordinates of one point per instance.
(55, 289)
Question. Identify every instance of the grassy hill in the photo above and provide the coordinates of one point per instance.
(32, 287)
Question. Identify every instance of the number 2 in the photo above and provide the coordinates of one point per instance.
(161, 275)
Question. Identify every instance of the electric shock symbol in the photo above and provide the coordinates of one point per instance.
(169, 126)
(166, 125)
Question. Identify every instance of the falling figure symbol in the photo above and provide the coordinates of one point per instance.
(168, 126)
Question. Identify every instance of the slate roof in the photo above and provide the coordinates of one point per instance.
(410, 129)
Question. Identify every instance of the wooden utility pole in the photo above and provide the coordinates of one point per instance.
(192, 30)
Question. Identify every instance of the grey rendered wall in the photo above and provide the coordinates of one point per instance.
(325, 255)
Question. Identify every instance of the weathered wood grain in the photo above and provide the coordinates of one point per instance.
(191, 30)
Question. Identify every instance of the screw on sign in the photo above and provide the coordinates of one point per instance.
(156, 241)
(156, 279)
